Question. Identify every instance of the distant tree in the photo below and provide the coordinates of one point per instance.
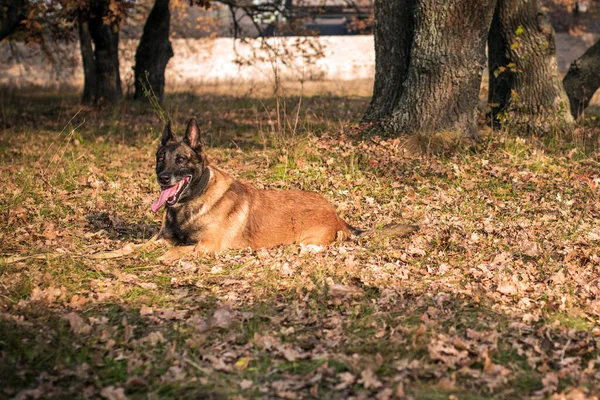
(98, 24)
(583, 79)
(153, 52)
(525, 85)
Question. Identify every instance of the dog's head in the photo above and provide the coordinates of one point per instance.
(180, 166)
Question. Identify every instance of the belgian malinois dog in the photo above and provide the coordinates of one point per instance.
(207, 210)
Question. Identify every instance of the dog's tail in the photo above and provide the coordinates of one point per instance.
(395, 230)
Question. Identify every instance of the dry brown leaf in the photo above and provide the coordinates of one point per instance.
(346, 380)
(507, 288)
(122, 252)
(368, 379)
(218, 363)
(339, 290)
(245, 384)
(399, 391)
(221, 318)
(145, 310)
(442, 349)
(573, 394)
(113, 393)
(77, 323)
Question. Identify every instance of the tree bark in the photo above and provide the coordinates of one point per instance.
(393, 33)
(525, 88)
(90, 79)
(583, 79)
(12, 12)
(106, 53)
(153, 52)
(430, 56)
(99, 46)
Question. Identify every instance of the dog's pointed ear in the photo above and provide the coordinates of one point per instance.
(167, 135)
(192, 135)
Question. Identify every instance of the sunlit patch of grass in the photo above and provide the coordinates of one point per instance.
(422, 390)
(301, 367)
(506, 355)
(570, 321)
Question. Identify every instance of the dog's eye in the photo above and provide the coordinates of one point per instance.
(181, 159)
(160, 158)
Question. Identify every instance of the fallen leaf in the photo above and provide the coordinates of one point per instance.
(346, 380)
(113, 393)
(221, 318)
(339, 290)
(368, 379)
(507, 288)
(245, 384)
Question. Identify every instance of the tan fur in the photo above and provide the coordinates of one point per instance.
(234, 214)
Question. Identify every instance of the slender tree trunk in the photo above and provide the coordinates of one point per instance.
(106, 53)
(90, 79)
(430, 56)
(525, 86)
(583, 79)
(153, 52)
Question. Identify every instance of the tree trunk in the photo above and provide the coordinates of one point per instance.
(99, 46)
(106, 53)
(153, 52)
(12, 12)
(525, 88)
(90, 79)
(583, 79)
(393, 33)
(430, 56)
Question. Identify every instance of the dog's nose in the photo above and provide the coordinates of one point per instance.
(164, 179)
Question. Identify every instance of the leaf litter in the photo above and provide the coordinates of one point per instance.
(496, 296)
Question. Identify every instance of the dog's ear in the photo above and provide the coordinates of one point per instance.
(167, 135)
(192, 135)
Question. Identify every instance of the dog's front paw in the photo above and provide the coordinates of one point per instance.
(175, 253)
(201, 249)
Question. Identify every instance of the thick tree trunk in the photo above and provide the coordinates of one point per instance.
(525, 88)
(90, 79)
(583, 79)
(430, 57)
(153, 52)
(12, 12)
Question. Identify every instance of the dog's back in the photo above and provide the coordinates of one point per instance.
(292, 216)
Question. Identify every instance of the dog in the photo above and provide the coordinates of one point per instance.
(208, 211)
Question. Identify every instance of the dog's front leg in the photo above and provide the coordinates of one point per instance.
(175, 253)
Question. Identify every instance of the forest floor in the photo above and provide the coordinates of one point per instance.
(497, 296)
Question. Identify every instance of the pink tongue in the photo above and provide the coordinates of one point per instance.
(164, 195)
